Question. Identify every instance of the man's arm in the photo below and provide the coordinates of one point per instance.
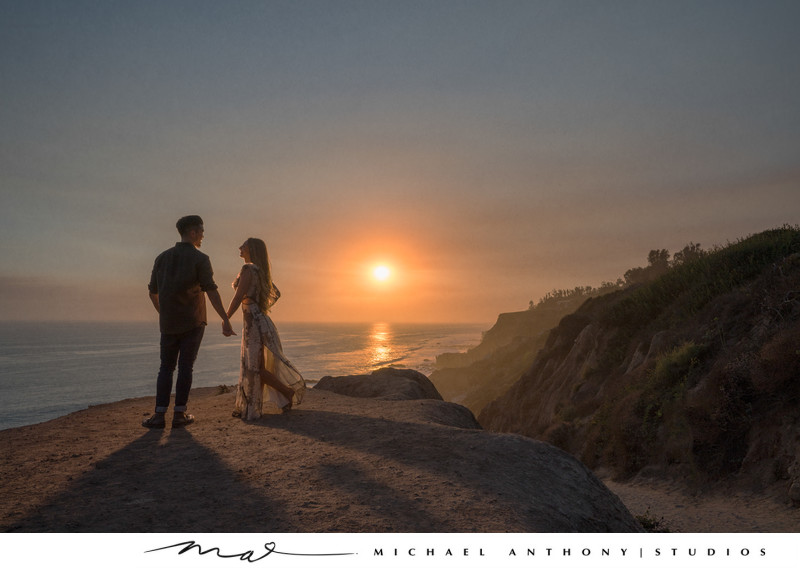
(154, 299)
(216, 303)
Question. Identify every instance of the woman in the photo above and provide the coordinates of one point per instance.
(266, 379)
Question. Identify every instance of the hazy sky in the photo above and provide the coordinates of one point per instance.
(487, 152)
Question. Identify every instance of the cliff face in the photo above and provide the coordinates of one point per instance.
(486, 372)
(695, 375)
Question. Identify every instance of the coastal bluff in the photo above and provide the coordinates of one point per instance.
(336, 463)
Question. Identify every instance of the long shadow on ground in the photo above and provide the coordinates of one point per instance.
(155, 485)
(531, 485)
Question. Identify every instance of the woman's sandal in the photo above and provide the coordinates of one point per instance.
(288, 407)
(236, 414)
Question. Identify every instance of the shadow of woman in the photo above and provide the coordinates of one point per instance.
(158, 483)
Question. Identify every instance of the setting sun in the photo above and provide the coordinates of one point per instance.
(381, 273)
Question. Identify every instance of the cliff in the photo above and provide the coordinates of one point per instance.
(336, 463)
(693, 376)
(487, 371)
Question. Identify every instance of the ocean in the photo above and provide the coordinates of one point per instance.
(48, 370)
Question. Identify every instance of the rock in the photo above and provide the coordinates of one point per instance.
(452, 414)
(551, 490)
(539, 487)
(637, 359)
(658, 345)
(384, 384)
(794, 493)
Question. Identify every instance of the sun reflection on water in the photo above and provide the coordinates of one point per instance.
(380, 347)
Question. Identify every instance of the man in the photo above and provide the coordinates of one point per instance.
(181, 279)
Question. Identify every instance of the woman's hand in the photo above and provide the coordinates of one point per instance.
(227, 328)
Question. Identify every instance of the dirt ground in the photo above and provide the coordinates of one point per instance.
(315, 469)
(676, 511)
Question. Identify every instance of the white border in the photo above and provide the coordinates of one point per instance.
(401, 551)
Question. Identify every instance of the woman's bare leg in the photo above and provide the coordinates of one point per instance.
(271, 380)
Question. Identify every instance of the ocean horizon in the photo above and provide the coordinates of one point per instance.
(49, 369)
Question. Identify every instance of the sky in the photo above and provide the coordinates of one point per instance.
(485, 152)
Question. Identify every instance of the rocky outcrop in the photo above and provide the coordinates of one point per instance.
(535, 476)
(387, 384)
(334, 464)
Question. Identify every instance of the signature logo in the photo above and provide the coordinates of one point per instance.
(248, 556)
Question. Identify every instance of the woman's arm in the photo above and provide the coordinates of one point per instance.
(216, 303)
(245, 279)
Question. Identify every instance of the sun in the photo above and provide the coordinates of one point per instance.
(381, 273)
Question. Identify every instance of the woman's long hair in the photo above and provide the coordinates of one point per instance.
(268, 294)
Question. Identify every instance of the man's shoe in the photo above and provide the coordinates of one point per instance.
(155, 421)
(181, 419)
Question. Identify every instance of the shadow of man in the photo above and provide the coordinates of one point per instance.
(160, 482)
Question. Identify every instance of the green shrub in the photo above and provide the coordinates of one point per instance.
(699, 280)
(686, 288)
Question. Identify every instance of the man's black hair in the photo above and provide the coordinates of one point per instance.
(187, 223)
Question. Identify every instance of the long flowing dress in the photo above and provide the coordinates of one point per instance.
(261, 349)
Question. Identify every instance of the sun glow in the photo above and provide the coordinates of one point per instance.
(381, 273)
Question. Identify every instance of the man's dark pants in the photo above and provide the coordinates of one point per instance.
(181, 350)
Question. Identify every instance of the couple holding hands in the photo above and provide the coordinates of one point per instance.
(181, 279)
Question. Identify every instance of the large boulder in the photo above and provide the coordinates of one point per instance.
(384, 384)
(551, 491)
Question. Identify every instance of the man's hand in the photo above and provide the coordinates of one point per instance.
(216, 303)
